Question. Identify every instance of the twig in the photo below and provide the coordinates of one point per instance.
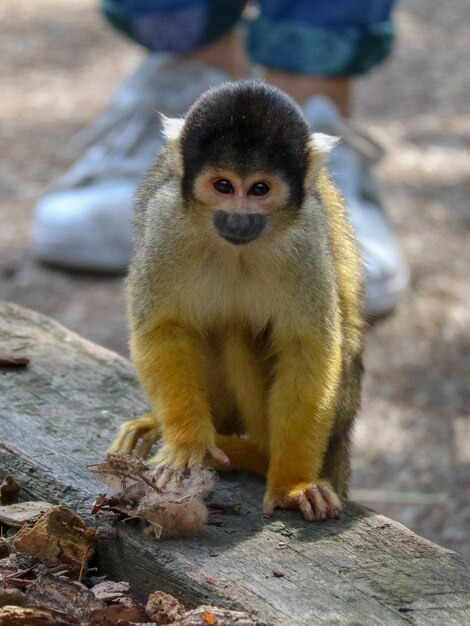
(82, 566)
(21, 572)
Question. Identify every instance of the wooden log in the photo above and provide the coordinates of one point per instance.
(61, 412)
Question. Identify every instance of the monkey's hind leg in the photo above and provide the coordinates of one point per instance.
(336, 464)
(244, 455)
(137, 436)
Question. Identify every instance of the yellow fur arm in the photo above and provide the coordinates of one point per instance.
(169, 362)
(301, 412)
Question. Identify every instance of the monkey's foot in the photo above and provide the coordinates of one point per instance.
(317, 501)
(137, 435)
(182, 458)
(244, 455)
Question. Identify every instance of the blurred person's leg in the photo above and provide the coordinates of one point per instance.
(313, 50)
(84, 220)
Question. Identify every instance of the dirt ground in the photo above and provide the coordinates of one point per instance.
(60, 62)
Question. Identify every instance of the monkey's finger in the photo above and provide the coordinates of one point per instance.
(306, 507)
(218, 455)
(128, 436)
(122, 442)
(157, 472)
(333, 503)
(130, 440)
(165, 477)
(144, 446)
(268, 507)
(315, 497)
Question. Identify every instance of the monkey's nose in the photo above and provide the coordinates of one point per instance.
(239, 228)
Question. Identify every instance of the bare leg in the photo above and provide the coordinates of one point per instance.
(301, 87)
(227, 54)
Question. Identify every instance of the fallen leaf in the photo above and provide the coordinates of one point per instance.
(163, 608)
(177, 510)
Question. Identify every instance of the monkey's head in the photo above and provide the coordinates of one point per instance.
(247, 159)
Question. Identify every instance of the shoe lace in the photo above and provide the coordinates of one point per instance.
(113, 147)
(358, 138)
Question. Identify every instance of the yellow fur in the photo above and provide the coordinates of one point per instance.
(301, 408)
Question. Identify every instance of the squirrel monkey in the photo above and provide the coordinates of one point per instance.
(245, 301)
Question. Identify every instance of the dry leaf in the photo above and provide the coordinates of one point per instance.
(177, 510)
(23, 512)
(124, 475)
(162, 608)
(59, 536)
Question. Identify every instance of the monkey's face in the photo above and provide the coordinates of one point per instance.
(240, 209)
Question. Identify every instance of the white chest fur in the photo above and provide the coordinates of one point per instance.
(238, 288)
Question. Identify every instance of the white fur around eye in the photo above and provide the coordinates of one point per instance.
(323, 144)
(172, 127)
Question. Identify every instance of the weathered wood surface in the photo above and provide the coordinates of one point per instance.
(60, 414)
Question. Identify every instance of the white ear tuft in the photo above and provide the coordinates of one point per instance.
(323, 144)
(172, 127)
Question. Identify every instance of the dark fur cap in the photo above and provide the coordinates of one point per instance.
(246, 126)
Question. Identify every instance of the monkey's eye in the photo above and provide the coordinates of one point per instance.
(259, 189)
(223, 186)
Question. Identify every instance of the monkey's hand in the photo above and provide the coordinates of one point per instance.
(182, 457)
(136, 436)
(317, 500)
(170, 361)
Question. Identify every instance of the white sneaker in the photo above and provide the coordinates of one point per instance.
(386, 275)
(84, 221)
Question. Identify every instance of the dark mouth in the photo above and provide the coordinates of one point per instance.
(239, 241)
(239, 229)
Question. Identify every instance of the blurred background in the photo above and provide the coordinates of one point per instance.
(60, 62)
